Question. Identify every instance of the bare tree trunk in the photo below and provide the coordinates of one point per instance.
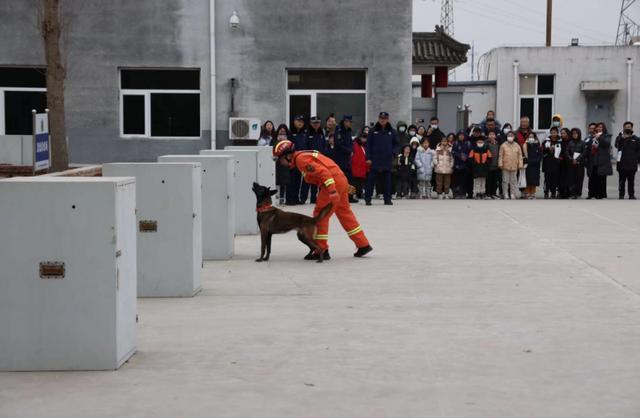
(56, 74)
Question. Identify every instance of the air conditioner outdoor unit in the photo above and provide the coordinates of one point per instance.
(244, 129)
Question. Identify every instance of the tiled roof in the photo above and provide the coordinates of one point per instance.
(438, 48)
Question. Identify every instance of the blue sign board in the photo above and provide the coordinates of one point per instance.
(41, 143)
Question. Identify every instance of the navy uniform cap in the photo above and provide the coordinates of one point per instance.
(299, 117)
(347, 117)
(315, 119)
(383, 115)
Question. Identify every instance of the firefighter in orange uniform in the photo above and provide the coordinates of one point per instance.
(333, 188)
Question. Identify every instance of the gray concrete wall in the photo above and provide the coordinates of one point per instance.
(102, 37)
(571, 65)
(275, 35)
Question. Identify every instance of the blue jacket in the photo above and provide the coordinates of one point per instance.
(382, 146)
(315, 140)
(343, 148)
(460, 151)
(299, 138)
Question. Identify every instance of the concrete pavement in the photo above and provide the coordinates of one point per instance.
(464, 309)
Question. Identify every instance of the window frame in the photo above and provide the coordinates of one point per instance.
(314, 93)
(2, 100)
(536, 100)
(147, 106)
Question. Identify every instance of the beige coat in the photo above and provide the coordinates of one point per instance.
(443, 162)
(510, 157)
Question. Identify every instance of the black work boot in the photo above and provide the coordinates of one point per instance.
(363, 251)
(314, 256)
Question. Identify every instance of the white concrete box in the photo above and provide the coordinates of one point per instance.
(169, 226)
(218, 203)
(67, 273)
(266, 166)
(246, 173)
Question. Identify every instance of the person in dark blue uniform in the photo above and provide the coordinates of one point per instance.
(343, 148)
(382, 145)
(315, 141)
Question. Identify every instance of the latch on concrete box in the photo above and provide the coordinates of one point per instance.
(218, 212)
(66, 302)
(169, 201)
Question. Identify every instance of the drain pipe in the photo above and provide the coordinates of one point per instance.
(212, 69)
(629, 68)
(516, 79)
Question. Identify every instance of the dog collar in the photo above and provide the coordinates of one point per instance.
(264, 208)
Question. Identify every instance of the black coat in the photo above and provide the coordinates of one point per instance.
(551, 164)
(599, 156)
(382, 145)
(343, 148)
(435, 138)
(630, 157)
(534, 158)
(283, 174)
(406, 168)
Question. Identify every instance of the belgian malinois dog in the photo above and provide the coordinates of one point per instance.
(272, 220)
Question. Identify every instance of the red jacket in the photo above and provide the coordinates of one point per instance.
(359, 168)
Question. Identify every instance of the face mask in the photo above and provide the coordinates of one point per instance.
(531, 140)
(412, 133)
(556, 123)
(506, 130)
(480, 144)
(434, 127)
(510, 138)
(402, 129)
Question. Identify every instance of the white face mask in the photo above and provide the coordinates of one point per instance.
(402, 129)
(531, 140)
(556, 123)
(510, 138)
(412, 133)
(434, 127)
(506, 130)
(480, 144)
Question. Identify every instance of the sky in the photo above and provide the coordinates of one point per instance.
(494, 23)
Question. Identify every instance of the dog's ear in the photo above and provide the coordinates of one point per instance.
(272, 192)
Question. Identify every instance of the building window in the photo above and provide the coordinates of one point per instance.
(536, 99)
(322, 92)
(160, 103)
(21, 91)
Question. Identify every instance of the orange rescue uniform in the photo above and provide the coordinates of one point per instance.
(333, 188)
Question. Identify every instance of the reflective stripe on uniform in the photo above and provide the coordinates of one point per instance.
(321, 237)
(314, 154)
(329, 182)
(354, 230)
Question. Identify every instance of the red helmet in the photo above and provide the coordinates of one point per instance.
(282, 147)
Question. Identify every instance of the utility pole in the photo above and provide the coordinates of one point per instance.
(473, 59)
(549, 21)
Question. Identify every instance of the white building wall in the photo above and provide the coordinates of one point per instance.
(572, 66)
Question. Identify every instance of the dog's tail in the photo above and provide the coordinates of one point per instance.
(323, 212)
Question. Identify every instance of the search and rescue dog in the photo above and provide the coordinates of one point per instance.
(272, 220)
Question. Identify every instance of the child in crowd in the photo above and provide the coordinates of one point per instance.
(359, 167)
(406, 172)
(479, 157)
(424, 161)
(510, 161)
(414, 143)
(443, 168)
(575, 153)
(552, 161)
(533, 154)
(494, 174)
(462, 175)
